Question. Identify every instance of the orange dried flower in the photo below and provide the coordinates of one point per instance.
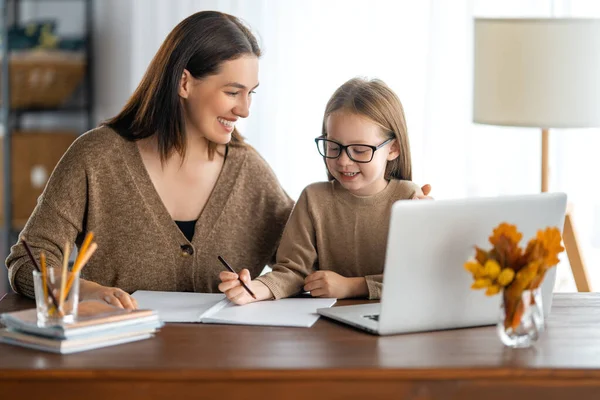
(506, 277)
(481, 255)
(492, 290)
(508, 231)
(492, 269)
(481, 283)
(550, 240)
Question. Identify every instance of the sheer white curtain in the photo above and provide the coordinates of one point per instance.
(310, 47)
(423, 50)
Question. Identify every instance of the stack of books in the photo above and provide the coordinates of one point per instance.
(97, 325)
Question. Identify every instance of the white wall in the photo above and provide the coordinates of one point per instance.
(113, 53)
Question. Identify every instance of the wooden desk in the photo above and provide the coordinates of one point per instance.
(328, 360)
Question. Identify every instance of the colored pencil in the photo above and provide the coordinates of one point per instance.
(79, 265)
(63, 280)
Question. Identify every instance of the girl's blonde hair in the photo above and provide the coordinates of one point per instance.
(374, 100)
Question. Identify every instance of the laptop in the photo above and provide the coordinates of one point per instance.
(425, 285)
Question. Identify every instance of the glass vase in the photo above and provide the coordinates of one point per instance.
(521, 319)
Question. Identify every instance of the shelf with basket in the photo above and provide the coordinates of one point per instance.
(43, 74)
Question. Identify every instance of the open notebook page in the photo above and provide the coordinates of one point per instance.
(293, 312)
(215, 308)
(177, 306)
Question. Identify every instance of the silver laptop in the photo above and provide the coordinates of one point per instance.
(425, 285)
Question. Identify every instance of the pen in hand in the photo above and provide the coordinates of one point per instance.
(239, 279)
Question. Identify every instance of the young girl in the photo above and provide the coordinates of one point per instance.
(335, 240)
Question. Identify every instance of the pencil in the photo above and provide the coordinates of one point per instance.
(37, 268)
(83, 249)
(242, 282)
(79, 265)
(44, 277)
(63, 279)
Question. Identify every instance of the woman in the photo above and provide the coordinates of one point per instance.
(168, 184)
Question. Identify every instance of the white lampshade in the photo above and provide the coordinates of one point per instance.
(542, 73)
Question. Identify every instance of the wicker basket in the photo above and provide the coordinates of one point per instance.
(44, 79)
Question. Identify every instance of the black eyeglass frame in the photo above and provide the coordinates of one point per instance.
(345, 148)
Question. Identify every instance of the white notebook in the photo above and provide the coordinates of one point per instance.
(17, 338)
(216, 309)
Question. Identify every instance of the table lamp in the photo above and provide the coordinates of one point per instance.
(542, 73)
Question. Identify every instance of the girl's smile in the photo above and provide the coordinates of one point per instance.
(348, 176)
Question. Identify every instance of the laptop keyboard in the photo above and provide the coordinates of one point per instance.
(374, 317)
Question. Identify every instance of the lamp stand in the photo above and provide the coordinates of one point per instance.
(578, 269)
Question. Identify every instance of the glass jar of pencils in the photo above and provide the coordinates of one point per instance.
(56, 295)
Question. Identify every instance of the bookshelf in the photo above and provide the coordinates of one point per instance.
(78, 107)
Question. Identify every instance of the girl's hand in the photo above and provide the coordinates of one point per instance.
(331, 284)
(89, 290)
(426, 189)
(235, 292)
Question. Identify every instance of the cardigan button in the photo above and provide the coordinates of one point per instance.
(186, 250)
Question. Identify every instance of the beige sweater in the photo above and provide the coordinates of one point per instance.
(101, 185)
(331, 229)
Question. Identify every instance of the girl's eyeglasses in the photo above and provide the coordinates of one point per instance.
(360, 153)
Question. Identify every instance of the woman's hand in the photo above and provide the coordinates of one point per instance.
(89, 290)
(331, 284)
(426, 189)
(235, 292)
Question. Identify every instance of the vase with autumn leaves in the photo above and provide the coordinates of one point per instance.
(516, 274)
